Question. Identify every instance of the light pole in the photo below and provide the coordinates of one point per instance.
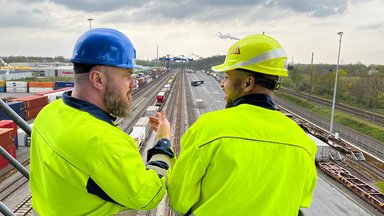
(90, 23)
(334, 90)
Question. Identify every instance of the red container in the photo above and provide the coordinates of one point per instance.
(33, 101)
(4, 162)
(32, 113)
(6, 137)
(9, 124)
(12, 151)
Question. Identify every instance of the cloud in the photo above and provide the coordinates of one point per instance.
(371, 26)
(99, 6)
(315, 8)
(15, 15)
(226, 36)
(175, 9)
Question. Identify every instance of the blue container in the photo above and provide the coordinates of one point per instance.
(3, 89)
(16, 141)
(62, 84)
(17, 106)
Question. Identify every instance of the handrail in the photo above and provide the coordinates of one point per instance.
(5, 210)
(14, 162)
(15, 117)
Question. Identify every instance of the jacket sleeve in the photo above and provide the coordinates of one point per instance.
(124, 177)
(309, 185)
(185, 182)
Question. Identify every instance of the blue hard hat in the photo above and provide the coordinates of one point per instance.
(104, 46)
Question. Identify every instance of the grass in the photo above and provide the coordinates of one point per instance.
(368, 128)
(380, 185)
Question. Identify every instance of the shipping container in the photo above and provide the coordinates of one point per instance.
(4, 162)
(151, 111)
(138, 134)
(23, 138)
(6, 137)
(9, 124)
(39, 89)
(17, 84)
(32, 113)
(167, 86)
(2, 83)
(17, 106)
(144, 123)
(41, 84)
(160, 98)
(33, 101)
(62, 84)
(17, 89)
(3, 89)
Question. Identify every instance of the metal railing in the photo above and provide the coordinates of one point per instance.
(27, 128)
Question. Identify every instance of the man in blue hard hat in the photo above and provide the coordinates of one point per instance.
(81, 162)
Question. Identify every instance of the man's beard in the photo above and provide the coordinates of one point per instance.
(115, 102)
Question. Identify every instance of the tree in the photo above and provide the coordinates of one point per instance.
(375, 87)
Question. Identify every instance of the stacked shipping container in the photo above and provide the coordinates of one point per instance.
(7, 137)
(17, 86)
(35, 87)
(33, 104)
(2, 86)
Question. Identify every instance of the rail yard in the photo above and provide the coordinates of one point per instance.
(347, 170)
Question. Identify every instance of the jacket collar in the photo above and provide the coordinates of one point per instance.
(260, 100)
(87, 107)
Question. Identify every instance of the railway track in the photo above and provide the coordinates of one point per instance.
(141, 100)
(361, 141)
(369, 116)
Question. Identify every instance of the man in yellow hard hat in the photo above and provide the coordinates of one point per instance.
(248, 159)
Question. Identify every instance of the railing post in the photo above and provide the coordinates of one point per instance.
(5, 210)
(14, 162)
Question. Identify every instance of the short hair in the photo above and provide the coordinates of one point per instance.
(81, 68)
(265, 80)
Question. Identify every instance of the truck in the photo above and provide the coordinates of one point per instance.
(197, 83)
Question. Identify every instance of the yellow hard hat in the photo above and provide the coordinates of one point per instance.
(258, 53)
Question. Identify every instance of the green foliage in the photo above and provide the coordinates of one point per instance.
(362, 126)
(357, 84)
(11, 59)
(380, 185)
(47, 79)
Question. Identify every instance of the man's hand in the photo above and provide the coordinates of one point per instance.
(161, 125)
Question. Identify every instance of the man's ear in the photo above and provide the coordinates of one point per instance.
(249, 83)
(97, 79)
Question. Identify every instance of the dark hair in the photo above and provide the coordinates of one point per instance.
(271, 82)
(80, 68)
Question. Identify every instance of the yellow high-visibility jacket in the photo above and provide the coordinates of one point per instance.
(82, 165)
(245, 160)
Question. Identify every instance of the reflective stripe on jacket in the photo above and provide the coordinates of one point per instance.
(81, 165)
(244, 160)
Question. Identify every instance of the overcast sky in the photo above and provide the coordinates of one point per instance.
(199, 28)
